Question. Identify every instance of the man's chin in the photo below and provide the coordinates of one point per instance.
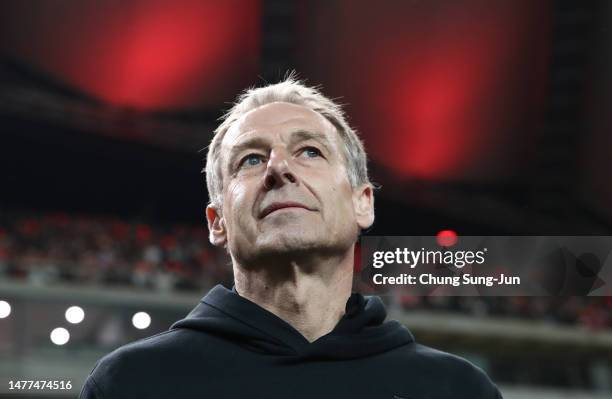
(287, 244)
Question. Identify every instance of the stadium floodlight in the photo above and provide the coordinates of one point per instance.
(75, 314)
(141, 320)
(59, 336)
(5, 309)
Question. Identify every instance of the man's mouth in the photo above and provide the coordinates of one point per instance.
(280, 205)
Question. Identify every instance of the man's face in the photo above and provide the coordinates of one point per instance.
(285, 186)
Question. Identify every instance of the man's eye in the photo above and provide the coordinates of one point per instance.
(251, 160)
(311, 152)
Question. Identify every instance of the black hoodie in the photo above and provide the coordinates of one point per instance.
(229, 347)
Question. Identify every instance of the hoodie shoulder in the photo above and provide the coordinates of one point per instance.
(121, 368)
(135, 368)
(463, 378)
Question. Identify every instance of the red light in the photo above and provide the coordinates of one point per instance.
(444, 97)
(446, 238)
(154, 54)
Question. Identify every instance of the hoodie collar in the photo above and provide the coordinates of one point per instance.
(360, 332)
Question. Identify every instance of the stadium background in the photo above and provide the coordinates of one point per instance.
(485, 118)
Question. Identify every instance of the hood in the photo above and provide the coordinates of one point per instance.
(361, 332)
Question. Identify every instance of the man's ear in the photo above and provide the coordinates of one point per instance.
(216, 226)
(363, 204)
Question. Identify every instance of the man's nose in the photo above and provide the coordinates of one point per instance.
(279, 170)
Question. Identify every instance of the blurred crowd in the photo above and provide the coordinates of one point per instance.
(594, 312)
(96, 250)
(48, 248)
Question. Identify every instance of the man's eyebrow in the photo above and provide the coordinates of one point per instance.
(305, 135)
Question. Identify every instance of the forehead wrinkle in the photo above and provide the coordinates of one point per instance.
(250, 142)
(280, 115)
(287, 131)
(283, 113)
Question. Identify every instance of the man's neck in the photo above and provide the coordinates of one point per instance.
(311, 299)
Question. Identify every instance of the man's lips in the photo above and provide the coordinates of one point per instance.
(280, 205)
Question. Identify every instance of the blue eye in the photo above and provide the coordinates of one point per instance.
(251, 160)
(312, 152)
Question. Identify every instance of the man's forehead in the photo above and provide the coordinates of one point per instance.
(278, 117)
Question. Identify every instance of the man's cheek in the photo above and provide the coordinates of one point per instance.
(235, 197)
(240, 205)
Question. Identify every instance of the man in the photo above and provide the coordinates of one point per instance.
(289, 194)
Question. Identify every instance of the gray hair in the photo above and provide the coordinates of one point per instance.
(294, 91)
